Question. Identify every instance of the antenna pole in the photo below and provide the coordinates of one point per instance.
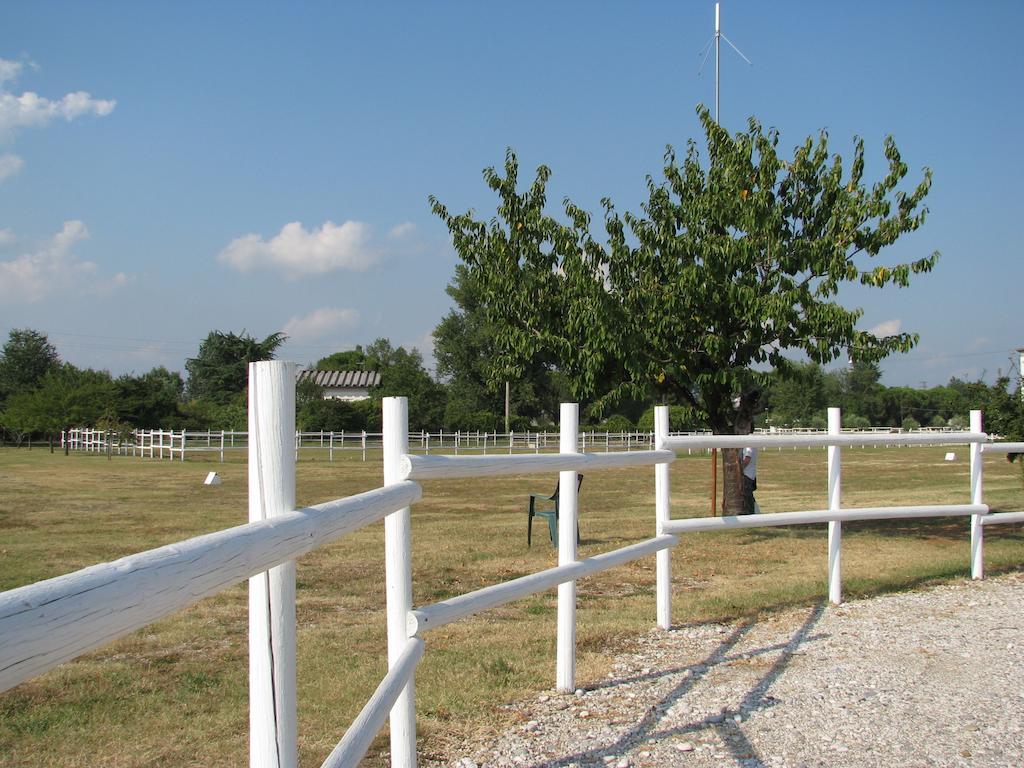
(718, 57)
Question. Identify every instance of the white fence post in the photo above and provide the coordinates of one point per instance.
(977, 530)
(565, 671)
(835, 527)
(398, 576)
(662, 514)
(272, 706)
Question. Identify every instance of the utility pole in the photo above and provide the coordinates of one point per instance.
(1020, 373)
(507, 411)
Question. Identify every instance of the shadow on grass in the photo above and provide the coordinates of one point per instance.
(857, 587)
(946, 528)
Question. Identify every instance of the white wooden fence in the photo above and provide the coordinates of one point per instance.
(177, 444)
(47, 623)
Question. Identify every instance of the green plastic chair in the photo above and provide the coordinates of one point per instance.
(550, 514)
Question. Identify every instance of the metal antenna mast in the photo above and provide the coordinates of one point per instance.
(717, 40)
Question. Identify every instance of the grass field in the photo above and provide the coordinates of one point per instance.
(174, 693)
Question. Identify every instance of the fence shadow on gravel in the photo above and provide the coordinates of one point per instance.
(756, 699)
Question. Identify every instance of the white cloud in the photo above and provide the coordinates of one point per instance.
(887, 328)
(30, 110)
(9, 165)
(297, 252)
(399, 231)
(53, 268)
(9, 70)
(321, 322)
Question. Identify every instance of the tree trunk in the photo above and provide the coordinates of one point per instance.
(732, 468)
(732, 482)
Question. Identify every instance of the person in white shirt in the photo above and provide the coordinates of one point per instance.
(748, 460)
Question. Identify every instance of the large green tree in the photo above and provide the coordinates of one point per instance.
(349, 360)
(735, 260)
(24, 360)
(151, 400)
(801, 398)
(861, 393)
(65, 397)
(220, 370)
(402, 374)
(464, 343)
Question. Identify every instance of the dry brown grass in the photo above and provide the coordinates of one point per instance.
(175, 692)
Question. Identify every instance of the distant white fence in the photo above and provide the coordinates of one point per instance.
(177, 444)
(50, 622)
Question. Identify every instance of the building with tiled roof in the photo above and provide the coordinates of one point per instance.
(343, 385)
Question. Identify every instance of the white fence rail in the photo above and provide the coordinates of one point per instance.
(50, 622)
(47, 623)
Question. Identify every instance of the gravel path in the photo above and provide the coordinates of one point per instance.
(929, 678)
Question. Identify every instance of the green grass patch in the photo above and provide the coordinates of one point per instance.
(175, 693)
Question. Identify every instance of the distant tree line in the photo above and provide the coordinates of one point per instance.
(802, 397)
(41, 395)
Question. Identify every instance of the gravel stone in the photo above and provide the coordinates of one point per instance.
(908, 680)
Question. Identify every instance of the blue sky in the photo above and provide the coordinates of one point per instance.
(168, 169)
